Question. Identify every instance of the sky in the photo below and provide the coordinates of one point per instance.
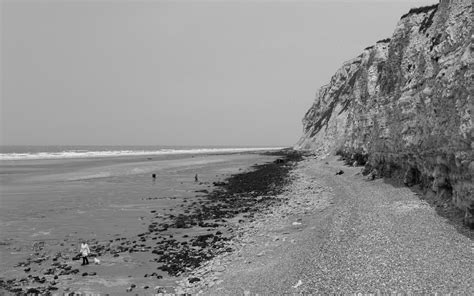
(230, 73)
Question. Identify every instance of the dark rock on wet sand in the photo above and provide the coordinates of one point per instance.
(241, 193)
(194, 279)
(244, 193)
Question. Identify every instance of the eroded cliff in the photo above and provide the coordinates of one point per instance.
(404, 106)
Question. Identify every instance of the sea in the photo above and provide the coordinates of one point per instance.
(82, 151)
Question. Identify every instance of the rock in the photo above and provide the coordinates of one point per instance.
(218, 282)
(373, 175)
(41, 280)
(194, 279)
(74, 271)
(469, 218)
(33, 291)
(405, 105)
(427, 91)
(219, 268)
(180, 223)
(411, 177)
(299, 283)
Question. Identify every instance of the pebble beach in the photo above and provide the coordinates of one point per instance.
(291, 224)
(343, 233)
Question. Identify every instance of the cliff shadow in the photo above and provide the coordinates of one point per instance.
(442, 205)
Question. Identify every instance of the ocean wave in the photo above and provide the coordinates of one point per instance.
(117, 153)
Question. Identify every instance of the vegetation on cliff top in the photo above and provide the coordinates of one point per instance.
(419, 10)
(386, 40)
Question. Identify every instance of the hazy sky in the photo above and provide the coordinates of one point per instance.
(175, 72)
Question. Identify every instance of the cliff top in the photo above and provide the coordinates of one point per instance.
(417, 10)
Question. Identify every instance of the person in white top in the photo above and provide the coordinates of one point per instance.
(85, 251)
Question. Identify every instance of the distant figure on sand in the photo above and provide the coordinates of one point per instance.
(196, 178)
(85, 251)
(153, 176)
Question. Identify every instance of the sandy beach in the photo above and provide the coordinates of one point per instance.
(132, 221)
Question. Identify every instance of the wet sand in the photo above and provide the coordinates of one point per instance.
(146, 233)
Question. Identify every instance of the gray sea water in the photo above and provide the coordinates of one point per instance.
(82, 151)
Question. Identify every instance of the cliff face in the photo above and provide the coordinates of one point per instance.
(404, 106)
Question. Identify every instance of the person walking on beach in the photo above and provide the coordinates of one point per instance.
(85, 251)
(196, 178)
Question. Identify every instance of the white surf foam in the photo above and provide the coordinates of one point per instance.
(116, 153)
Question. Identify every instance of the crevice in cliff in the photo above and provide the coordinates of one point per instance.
(358, 158)
(427, 22)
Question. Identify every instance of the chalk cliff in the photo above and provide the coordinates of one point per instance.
(404, 106)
